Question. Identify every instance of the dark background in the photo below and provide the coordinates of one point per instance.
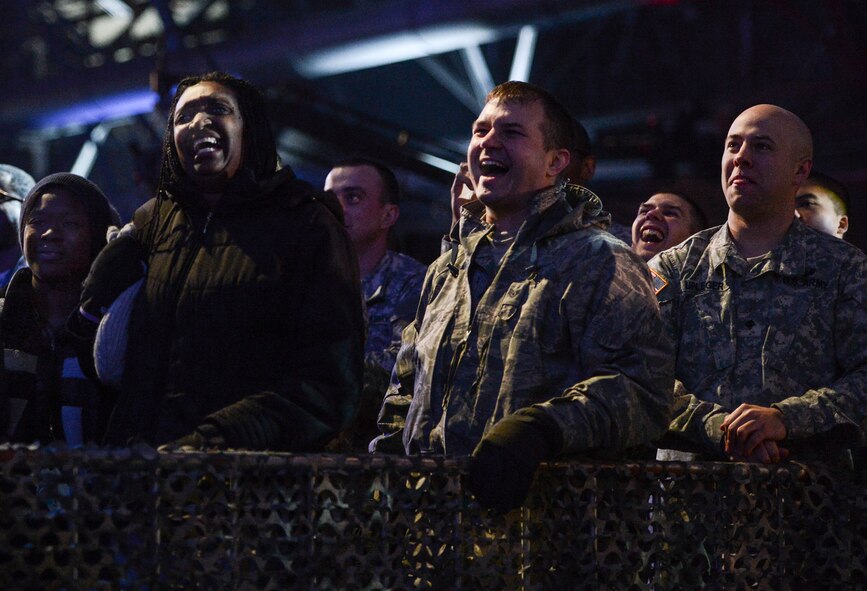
(656, 83)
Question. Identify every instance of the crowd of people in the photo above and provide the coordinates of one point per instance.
(243, 308)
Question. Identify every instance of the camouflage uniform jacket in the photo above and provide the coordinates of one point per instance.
(787, 331)
(568, 324)
(391, 295)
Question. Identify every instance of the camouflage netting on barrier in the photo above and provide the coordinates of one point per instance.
(135, 519)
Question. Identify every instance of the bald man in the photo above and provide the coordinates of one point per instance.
(768, 317)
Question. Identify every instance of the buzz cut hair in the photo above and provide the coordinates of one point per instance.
(839, 192)
(556, 128)
(390, 186)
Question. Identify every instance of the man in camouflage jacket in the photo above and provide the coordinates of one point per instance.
(369, 193)
(538, 334)
(768, 316)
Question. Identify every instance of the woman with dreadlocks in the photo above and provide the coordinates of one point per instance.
(247, 332)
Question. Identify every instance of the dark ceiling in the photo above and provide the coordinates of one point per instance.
(656, 83)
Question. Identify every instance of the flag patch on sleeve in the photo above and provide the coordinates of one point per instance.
(659, 282)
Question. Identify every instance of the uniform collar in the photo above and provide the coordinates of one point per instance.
(374, 283)
(787, 258)
(472, 225)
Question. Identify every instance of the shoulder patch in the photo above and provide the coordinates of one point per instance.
(659, 282)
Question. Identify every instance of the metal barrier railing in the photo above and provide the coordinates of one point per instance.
(135, 519)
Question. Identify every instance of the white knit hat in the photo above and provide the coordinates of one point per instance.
(15, 180)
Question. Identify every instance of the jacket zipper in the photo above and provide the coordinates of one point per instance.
(188, 262)
(54, 414)
(196, 245)
(207, 223)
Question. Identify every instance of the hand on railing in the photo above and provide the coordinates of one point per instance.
(752, 433)
(504, 462)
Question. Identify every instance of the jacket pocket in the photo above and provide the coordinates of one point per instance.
(705, 336)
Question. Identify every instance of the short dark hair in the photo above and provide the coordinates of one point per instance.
(260, 149)
(390, 186)
(839, 192)
(557, 129)
(697, 217)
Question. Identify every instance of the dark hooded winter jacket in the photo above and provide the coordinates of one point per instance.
(249, 328)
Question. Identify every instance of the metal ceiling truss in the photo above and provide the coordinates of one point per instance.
(610, 58)
(98, 32)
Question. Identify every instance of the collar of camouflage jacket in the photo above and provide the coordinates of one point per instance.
(553, 211)
(790, 257)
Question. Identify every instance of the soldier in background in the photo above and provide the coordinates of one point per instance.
(582, 161)
(663, 221)
(768, 317)
(581, 170)
(823, 203)
(390, 281)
